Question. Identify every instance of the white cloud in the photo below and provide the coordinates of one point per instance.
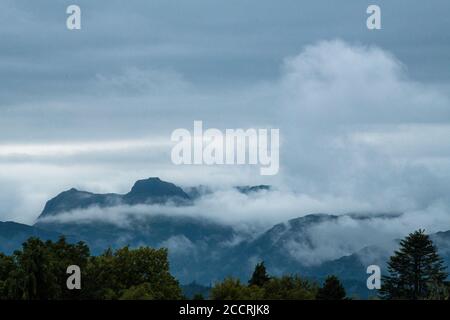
(179, 245)
(357, 127)
(74, 148)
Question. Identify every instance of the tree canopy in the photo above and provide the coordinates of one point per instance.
(416, 271)
(38, 272)
(331, 290)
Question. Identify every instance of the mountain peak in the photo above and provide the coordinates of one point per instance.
(154, 190)
(146, 191)
(253, 189)
(152, 181)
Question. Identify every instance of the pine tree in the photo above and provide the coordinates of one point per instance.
(414, 270)
(332, 290)
(260, 276)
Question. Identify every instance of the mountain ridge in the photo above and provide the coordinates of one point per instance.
(205, 250)
(146, 191)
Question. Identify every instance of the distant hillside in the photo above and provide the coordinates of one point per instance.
(13, 234)
(203, 250)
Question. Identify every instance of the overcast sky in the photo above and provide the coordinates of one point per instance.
(364, 115)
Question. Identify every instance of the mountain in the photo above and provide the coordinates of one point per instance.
(252, 189)
(442, 242)
(13, 234)
(190, 240)
(272, 247)
(203, 250)
(193, 242)
(74, 199)
(154, 190)
(148, 191)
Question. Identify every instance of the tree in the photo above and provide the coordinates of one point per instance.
(38, 271)
(260, 276)
(415, 270)
(284, 288)
(112, 274)
(233, 289)
(33, 278)
(63, 254)
(6, 267)
(332, 290)
(290, 288)
(139, 292)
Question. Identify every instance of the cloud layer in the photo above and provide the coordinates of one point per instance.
(357, 135)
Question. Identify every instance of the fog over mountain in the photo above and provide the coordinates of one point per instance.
(205, 247)
(247, 213)
(255, 213)
(364, 120)
(363, 116)
(375, 142)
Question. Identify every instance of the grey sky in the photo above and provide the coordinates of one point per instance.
(365, 119)
(217, 42)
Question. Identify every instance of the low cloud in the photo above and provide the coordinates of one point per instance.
(252, 215)
(256, 211)
(179, 245)
(377, 235)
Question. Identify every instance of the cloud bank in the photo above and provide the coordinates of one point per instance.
(357, 135)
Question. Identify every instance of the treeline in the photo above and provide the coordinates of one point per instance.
(415, 272)
(39, 272)
(261, 286)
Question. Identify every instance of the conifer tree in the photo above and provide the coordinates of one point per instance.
(260, 276)
(414, 270)
(331, 290)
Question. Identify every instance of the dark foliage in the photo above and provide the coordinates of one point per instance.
(260, 276)
(38, 272)
(331, 290)
(416, 271)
